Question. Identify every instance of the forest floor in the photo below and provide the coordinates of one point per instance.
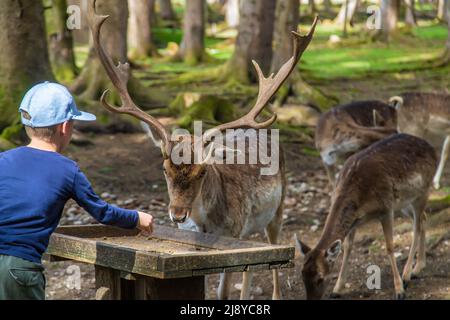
(131, 159)
(126, 168)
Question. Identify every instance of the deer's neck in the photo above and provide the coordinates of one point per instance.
(212, 195)
(340, 221)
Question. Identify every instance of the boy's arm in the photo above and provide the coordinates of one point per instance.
(105, 213)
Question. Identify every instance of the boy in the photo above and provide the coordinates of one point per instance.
(36, 181)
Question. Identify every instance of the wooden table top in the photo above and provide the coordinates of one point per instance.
(168, 253)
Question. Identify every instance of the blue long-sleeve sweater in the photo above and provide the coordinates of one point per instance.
(34, 187)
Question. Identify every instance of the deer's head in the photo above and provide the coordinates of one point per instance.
(317, 266)
(184, 180)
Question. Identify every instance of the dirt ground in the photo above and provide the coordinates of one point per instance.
(126, 170)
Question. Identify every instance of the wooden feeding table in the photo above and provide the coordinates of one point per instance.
(171, 264)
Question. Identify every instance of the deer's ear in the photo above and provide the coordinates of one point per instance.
(378, 120)
(302, 249)
(334, 251)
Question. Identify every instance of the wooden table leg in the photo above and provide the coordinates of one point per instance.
(107, 282)
(111, 286)
(192, 288)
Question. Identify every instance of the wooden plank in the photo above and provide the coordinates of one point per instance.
(164, 265)
(206, 240)
(228, 258)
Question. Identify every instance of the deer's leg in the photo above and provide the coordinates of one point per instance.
(421, 256)
(223, 292)
(246, 285)
(387, 221)
(419, 230)
(444, 156)
(348, 244)
(273, 231)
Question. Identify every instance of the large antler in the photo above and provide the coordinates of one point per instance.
(269, 86)
(119, 76)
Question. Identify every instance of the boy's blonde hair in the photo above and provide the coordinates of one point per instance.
(45, 134)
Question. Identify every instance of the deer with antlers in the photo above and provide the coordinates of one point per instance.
(232, 200)
(392, 174)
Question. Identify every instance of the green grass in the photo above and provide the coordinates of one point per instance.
(351, 59)
(354, 57)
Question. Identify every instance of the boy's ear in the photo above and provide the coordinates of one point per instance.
(65, 127)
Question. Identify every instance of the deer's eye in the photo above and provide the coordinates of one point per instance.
(202, 174)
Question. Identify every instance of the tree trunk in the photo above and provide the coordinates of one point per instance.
(254, 40)
(62, 57)
(140, 30)
(447, 45)
(192, 48)
(350, 7)
(287, 20)
(441, 9)
(24, 59)
(311, 7)
(232, 13)
(166, 10)
(410, 13)
(389, 18)
(327, 4)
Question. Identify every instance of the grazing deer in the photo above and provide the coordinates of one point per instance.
(231, 200)
(347, 129)
(392, 174)
(426, 115)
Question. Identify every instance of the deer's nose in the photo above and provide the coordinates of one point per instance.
(329, 156)
(179, 214)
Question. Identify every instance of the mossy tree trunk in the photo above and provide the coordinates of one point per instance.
(192, 48)
(61, 52)
(254, 41)
(24, 59)
(140, 28)
(93, 79)
(166, 10)
(287, 20)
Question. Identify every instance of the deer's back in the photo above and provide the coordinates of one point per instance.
(393, 170)
(423, 113)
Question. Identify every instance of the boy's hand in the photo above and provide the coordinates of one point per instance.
(145, 222)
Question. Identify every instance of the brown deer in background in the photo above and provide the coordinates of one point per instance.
(426, 115)
(347, 129)
(230, 200)
(393, 174)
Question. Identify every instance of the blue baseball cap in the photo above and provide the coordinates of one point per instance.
(49, 104)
